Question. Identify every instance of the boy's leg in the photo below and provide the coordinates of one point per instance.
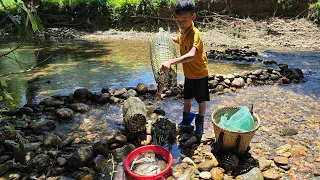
(202, 108)
(188, 95)
(187, 105)
(202, 95)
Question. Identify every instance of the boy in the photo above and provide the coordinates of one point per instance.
(195, 64)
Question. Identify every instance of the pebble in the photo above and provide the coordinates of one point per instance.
(216, 174)
(281, 160)
(205, 175)
(253, 174)
(271, 174)
(188, 160)
(264, 163)
(283, 149)
(61, 161)
(207, 165)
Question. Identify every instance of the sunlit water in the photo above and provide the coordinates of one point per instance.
(123, 63)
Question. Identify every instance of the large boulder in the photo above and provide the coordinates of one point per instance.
(82, 95)
(295, 74)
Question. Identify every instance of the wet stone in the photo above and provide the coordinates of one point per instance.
(26, 110)
(79, 107)
(52, 140)
(61, 161)
(66, 142)
(99, 163)
(5, 167)
(39, 163)
(64, 113)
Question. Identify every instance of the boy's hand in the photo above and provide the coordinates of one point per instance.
(165, 66)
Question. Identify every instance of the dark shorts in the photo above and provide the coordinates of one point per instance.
(196, 88)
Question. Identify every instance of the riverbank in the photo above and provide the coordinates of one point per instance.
(273, 34)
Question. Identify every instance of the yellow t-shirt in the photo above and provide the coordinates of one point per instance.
(198, 68)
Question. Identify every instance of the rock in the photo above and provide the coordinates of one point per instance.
(227, 81)
(39, 163)
(130, 93)
(219, 88)
(188, 160)
(236, 75)
(205, 175)
(118, 93)
(220, 76)
(48, 125)
(114, 99)
(105, 90)
(253, 174)
(289, 131)
(119, 138)
(66, 142)
(176, 91)
(206, 165)
(281, 160)
(101, 98)
(238, 82)
(10, 145)
(295, 74)
(285, 80)
(315, 178)
(82, 95)
(231, 77)
(152, 89)
(5, 167)
(26, 110)
(101, 147)
(216, 174)
(4, 158)
(227, 90)
(316, 172)
(259, 82)
(212, 83)
(80, 157)
(282, 149)
(160, 112)
(49, 109)
(141, 88)
(244, 73)
(60, 178)
(50, 102)
(190, 142)
(263, 77)
(99, 163)
(61, 161)
(64, 113)
(252, 77)
(274, 77)
(271, 174)
(52, 140)
(31, 146)
(264, 164)
(79, 107)
(257, 72)
(249, 81)
(285, 167)
(53, 154)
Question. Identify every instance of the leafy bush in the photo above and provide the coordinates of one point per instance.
(314, 12)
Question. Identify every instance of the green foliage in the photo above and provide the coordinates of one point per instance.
(26, 21)
(5, 95)
(314, 12)
(19, 138)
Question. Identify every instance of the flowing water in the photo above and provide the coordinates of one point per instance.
(68, 65)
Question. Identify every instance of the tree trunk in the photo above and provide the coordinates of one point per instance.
(134, 114)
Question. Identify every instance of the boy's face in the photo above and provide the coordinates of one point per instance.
(185, 19)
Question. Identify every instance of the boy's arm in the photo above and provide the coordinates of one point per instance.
(175, 40)
(182, 59)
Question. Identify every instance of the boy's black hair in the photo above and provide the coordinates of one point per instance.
(185, 6)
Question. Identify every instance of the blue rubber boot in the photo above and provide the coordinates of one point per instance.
(187, 119)
(199, 124)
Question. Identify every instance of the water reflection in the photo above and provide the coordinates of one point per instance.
(69, 65)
